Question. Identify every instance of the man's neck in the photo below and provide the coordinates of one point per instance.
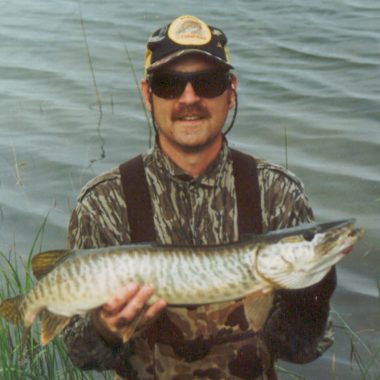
(193, 162)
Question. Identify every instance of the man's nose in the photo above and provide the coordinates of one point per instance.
(189, 95)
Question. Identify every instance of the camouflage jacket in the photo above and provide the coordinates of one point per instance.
(211, 342)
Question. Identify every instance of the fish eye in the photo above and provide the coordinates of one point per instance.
(309, 235)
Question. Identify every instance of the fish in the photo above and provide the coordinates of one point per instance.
(75, 282)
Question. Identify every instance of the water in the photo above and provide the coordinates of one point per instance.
(308, 72)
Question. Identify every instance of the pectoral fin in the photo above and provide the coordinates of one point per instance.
(257, 307)
(51, 326)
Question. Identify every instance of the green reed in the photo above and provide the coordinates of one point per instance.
(98, 100)
(133, 71)
(365, 360)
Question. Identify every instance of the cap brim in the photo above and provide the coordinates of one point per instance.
(180, 53)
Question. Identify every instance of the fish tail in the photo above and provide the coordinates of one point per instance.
(10, 309)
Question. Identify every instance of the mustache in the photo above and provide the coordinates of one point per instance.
(190, 110)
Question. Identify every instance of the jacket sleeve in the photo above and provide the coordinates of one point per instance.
(87, 350)
(88, 229)
(298, 328)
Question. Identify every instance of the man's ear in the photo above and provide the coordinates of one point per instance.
(145, 91)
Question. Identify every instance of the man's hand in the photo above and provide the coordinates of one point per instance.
(125, 312)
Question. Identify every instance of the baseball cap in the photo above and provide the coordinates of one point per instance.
(186, 35)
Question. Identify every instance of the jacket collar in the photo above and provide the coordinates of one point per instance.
(210, 178)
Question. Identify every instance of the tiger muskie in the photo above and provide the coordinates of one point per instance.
(74, 282)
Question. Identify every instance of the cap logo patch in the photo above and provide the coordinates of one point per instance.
(189, 30)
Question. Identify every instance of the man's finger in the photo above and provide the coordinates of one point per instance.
(120, 299)
(153, 311)
(136, 304)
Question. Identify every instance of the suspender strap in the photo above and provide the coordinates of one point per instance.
(139, 205)
(247, 193)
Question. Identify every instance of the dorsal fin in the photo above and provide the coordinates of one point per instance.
(44, 262)
(51, 326)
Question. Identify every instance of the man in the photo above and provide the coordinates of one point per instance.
(192, 189)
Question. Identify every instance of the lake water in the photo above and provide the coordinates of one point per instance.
(309, 94)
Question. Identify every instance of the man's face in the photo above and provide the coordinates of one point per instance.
(190, 122)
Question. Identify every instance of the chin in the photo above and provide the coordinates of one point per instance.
(198, 145)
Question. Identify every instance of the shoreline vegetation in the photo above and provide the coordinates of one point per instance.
(51, 362)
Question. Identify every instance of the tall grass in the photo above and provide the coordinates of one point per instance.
(133, 71)
(96, 89)
(49, 362)
(365, 360)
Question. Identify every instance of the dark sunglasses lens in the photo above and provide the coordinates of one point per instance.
(210, 85)
(172, 85)
(167, 85)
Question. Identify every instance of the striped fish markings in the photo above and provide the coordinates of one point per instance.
(74, 282)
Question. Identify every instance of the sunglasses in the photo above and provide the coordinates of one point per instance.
(206, 84)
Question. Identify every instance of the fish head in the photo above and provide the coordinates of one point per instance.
(302, 259)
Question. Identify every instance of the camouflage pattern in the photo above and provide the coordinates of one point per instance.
(218, 341)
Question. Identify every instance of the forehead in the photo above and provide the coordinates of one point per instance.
(192, 62)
